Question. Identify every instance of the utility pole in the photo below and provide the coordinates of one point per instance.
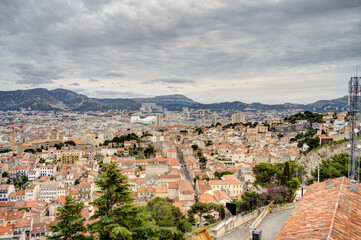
(318, 173)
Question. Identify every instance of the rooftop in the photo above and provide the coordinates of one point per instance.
(328, 210)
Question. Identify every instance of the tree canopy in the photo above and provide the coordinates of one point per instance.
(70, 224)
(118, 218)
(166, 214)
(337, 166)
(307, 115)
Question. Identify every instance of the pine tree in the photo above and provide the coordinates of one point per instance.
(115, 194)
(287, 173)
(117, 217)
(70, 224)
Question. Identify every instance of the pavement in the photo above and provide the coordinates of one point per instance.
(270, 226)
(273, 223)
(241, 233)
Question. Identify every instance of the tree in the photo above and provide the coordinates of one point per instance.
(70, 224)
(117, 217)
(166, 214)
(219, 175)
(149, 151)
(287, 174)
(24, 178)
(203, 162)
(4, 174)
(266, 173)
(33, 151)
(59, 145)
(70, 142)
(198, 209)
(294, 183)
(195, 147)
(116, 194)
(77, 181)
(337, 165)
(277, 193)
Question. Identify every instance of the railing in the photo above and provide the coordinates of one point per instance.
(234, 222)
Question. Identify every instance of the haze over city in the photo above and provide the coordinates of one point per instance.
(211, 51)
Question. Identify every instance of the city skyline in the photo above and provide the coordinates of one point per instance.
(210, 51)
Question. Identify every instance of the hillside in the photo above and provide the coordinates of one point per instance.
(43, 99)
(311, 160)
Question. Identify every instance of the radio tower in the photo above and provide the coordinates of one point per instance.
(354, 124)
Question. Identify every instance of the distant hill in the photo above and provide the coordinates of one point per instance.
(43, 99)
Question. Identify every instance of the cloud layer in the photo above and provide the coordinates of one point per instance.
(270, 51)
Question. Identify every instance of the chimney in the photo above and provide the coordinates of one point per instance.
(353, 186)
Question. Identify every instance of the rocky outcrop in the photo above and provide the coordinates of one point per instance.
(311, 160)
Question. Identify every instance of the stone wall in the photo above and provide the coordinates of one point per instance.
(311, 160)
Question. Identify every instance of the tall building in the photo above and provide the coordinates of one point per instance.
(69, 157)
(159, 119)
(238, 118)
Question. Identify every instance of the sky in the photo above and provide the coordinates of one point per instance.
(268, 51)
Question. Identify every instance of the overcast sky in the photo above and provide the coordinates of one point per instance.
(269, 51)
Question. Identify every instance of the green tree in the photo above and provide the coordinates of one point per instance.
(294, 183)
(166, 214)
(337, 165)
(219, 175)
(59, 145)
(70, 142)
(33, 151)
(266, 173)
(198, 209)
(77, 181)
(195, 147)
(4, 174)
(117, 217)
(70, 224)
(287, 174)
(24, 178)
(149, 151)
(116, 195)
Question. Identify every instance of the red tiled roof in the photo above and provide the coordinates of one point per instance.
(326, 213)
(207, 198)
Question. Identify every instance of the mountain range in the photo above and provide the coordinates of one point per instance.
(62, 99)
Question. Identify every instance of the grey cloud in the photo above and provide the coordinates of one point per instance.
(220, 40)
(93, 80)
(74, 84)
(114, 74)
(170, 81)
(35, 74)
(117, 94)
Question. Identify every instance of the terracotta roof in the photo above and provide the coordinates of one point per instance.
(6, 230)
(228, 180)
(207, 198)
(39, 228)
(185, 187)
(220, 195)
(161, 189)
(172, 185)
(326, 213)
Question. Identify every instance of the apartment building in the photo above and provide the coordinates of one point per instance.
(229, 184)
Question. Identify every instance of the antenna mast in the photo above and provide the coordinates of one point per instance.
(354, 89)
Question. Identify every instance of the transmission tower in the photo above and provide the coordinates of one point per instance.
(354, 125)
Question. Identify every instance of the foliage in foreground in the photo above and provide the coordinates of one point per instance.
(70, 224)
(117, 217)
(337, 166)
